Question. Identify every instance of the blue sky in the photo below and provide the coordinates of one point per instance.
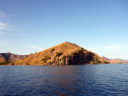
(29, 26)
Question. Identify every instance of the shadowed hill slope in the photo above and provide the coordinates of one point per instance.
(9, 57)
(63, 54)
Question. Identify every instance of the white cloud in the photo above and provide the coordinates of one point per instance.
(2, 28)
(112, 51)
(115, 47)
(4, 22)
(5, 17)
(2, 25)
(37, 48)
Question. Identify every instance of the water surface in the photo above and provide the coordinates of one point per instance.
(71, 80)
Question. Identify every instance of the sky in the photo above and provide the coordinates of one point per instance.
(29, 26)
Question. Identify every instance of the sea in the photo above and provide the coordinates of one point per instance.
(64, 80)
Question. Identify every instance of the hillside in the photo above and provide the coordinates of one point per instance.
(9, 57)
(115, 61)
(63, 54)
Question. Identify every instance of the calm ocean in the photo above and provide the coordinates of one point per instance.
(70, 80)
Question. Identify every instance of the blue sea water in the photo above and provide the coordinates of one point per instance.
(71, 80)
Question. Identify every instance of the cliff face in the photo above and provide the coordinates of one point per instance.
(9, 57)
(63, 54)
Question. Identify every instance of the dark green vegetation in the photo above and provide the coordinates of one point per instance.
(46, 58)
(52, 50)
(5, 63)
(106, 62)
(58, 54)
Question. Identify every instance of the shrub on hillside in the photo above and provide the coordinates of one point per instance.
(95, 61)
(58, 53)
(52, 50)
(46, 58)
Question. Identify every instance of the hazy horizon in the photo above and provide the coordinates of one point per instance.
(32, 26)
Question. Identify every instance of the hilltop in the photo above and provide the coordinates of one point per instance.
(63, 54)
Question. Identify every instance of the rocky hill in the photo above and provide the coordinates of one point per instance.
(9, 57)
(63, 54)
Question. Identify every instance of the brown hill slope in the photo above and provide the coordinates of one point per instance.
(115, 61)
(9, 57)
(63, 54)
